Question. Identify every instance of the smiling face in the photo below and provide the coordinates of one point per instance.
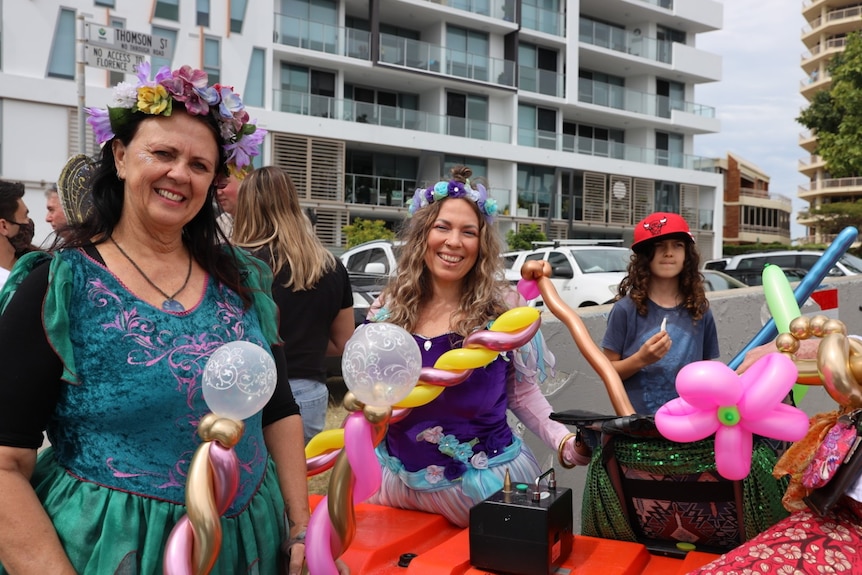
(167, 169)
(668, 258)
(453, 241)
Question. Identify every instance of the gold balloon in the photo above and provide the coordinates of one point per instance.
(817, 323)
(800, 327)
(540, 272)
(787, 343)
(377, 414)
(833, 363)
(351, 403)
(834, 326)
(340, 501)
(202, 512)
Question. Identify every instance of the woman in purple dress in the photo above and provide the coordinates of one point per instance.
(448, 455)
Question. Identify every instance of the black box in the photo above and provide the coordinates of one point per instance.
(512, 533)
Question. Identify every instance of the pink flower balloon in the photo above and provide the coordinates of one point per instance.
(713, 399)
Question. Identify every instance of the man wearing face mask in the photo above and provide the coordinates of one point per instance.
(15, 225)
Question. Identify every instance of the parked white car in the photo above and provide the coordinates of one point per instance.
(374, 257)
(847, 264)
(584, 275)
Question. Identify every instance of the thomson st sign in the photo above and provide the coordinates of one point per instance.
(127, 41)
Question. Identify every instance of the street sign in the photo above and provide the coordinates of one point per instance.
(112, 59)
(127, 40)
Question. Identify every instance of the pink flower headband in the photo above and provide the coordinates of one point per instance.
(189, 86)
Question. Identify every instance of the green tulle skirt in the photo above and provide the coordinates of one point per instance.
(110, 532)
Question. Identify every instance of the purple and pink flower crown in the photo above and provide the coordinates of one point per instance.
(189, 86)
(454, 189)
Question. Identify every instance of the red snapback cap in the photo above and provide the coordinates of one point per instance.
(660, 225)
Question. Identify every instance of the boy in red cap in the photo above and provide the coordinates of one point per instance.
(661, 320)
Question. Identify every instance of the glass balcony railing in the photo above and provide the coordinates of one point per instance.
(660, 3)
(539, 81)
(541, 20)
(607, 149)
(501, 9)
(306, 104)
(613, 38)
(427, 57)
(621, 98)
(319, 37)
(378, 190)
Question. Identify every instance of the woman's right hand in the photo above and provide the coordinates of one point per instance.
(655, 348)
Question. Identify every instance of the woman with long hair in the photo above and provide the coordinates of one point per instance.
(311, 287)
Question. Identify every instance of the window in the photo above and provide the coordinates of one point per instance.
(537, 70)
(382, 107)
(168, 9)
(534, 189)
(669, 149)
(478, 165)
(108, 3)
(171, 36)
(467, 115)
(254, 82)
(467, 53)
(203, 13)
(237, 15)
(667, 197)
(212, 59)
(671, 96)
(62, 61)
(537, 127)
(601, 89)
(306, 91)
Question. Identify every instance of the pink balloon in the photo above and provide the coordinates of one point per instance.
(528, 288)
(679, 421)
(178, 550)
(733, 447)
(784, 422)
(713, 399)
(318, 535)
(225, 468)
(775, 368)
(359, 445)
(707, 384)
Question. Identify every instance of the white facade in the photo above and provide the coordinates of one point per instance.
(580, 116)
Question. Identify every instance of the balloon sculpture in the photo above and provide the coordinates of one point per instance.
(238, 380)
(381, 364)
(804, 289)
(713, 399)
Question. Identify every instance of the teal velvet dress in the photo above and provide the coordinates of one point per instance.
(124, 429)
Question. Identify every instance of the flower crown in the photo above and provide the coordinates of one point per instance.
(454, 189)
(189, 86)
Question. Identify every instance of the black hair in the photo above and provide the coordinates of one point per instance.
(10, 193)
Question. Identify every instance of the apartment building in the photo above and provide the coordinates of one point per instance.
(828, 24)
(580, 116)
(752, 213)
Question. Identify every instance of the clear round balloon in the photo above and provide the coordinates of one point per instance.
(381, 364)
(238, 379)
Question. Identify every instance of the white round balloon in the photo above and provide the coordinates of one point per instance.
(381, 364)
(238, 379)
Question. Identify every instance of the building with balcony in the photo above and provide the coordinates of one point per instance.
(752, 213)
(828, 24)
(580, 116)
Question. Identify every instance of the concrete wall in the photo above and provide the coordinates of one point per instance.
(738, 313)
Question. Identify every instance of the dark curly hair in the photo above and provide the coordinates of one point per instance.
(636, 282)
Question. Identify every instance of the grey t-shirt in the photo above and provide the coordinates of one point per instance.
(655, 385)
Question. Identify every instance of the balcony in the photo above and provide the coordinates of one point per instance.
(319, 37)
(377, 190)
(606, 149)
(603, 36)
(425, 57)
(500, 9)
(815, 163)
(541, 20)
(545, 82)
(783, 201)
(621, 98)
(836, 22)
(831, 187)
(388, 116)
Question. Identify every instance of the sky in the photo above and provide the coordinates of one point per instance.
(757, 99)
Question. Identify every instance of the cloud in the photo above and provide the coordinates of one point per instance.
(758, 100)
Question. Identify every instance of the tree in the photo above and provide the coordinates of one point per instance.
(362, 230)
(523, 239)
(835, 114)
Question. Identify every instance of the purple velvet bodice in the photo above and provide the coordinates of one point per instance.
(473, 411)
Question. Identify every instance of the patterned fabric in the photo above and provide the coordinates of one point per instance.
(124, 428)
(831, 453)
(800, 544)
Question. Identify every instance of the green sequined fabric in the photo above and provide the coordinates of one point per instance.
(602, 514)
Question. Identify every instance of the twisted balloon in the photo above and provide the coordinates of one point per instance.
(213, 480)
(356, 473)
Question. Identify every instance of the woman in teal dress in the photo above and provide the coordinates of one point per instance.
(104, 343)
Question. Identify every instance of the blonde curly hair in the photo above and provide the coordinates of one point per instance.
(483, 295)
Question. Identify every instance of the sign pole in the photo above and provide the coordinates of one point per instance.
(82, 86)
